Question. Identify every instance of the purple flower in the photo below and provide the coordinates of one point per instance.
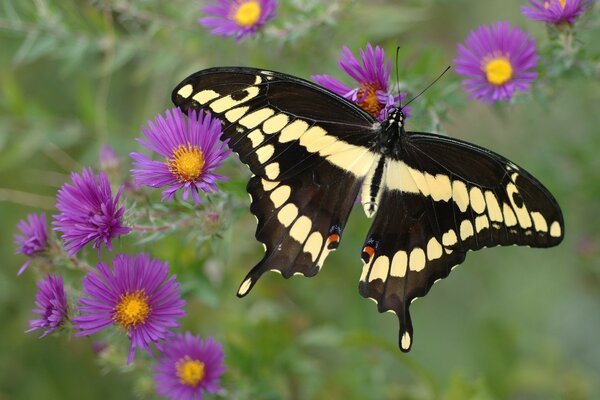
(555, 11)
(88, 212)
(52, 305)
(108, 159)
(372, 73)
(238, 17)
(498, 61)
(136, 295)
(188, 367)
(190, 151)
(34, 239)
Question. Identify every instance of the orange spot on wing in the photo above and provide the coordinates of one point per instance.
(368, 252)
(333, 238)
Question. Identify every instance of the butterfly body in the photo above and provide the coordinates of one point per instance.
(431, 198)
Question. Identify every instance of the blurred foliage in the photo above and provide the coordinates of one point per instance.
(510, 323)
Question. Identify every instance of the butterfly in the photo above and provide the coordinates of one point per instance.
(312, 153)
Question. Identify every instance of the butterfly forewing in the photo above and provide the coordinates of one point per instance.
(312, 152)
(279, 125)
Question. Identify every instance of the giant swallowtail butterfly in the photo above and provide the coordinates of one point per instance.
(432, 198)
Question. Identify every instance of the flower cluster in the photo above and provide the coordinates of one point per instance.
(137, 295)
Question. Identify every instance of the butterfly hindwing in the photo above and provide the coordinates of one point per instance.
(402, 257)
(300, 220)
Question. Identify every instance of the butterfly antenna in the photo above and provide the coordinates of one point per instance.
(428, 86)
(398, 75)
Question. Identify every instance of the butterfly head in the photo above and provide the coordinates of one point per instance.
(397, 118)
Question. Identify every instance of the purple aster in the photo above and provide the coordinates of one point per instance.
(108, 159)
(88, 212)
(372, 73)
(498, 61)
(136, 295)
(34, 238)
(190, 152)
(51, 305)
(237, 17)
(555, 11)
(188, 367)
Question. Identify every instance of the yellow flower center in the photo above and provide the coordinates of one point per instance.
(186, 163)
(132, 309)
(248, 13)
(562, 3)
(498, 71)
(190, 372)
(370, 103)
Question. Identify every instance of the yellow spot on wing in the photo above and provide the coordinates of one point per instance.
(522, 213)
(287, 214)
(205, 96)
(405, 341)
(256, 137)
(255, 118)
(185, 91)
(272, 170)
(460, 195)
(440, 187)
(275, 123)
(301, 229)
(293, 131)
(399, 263)
(477, 200)
(313, 245)
(236, 113)
(316, 138)
(264, 153)
(380, 269)
(244, 287)
(449, 238)
(481, 222)
(354, 159)
(493, 207)
(555, 230)
(269, 185)
(280, 195)
(417, 259)
(466, 229)
(540, 222)
(509, 216)
(434, 249)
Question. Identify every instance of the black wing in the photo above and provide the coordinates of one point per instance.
(278, 124)
(442, 199)
(308, 149)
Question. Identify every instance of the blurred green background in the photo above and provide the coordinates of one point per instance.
(510, 323)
